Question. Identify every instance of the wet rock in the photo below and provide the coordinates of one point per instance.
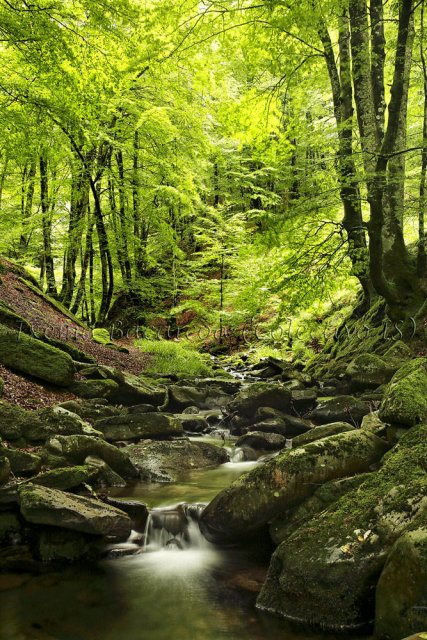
(326, 572)
(89, 389)
(261, 440)
(285, 481)
(405, 400)
(260, 394)
(288, 426)
(322, 432)
(40, 505)
(28, 355)
(21, 462)
(137, 426)
(133, 390)
(371, 422)
(63, 545)
(340, 409)
(10, 527)
(137, 511)
(75, 449)
(369, 371)
(401, 595)
(166, 461)
(4, 470)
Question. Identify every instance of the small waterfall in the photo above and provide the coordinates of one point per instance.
(173, 528)
(237, 455)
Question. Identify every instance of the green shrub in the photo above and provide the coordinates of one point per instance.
(174, 357)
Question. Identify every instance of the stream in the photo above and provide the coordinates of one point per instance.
(186, 589)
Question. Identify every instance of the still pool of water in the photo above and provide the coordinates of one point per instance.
(200, 593)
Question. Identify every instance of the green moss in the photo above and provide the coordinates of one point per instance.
(405, 400)
(168, 357)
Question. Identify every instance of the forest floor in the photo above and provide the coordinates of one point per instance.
(45, 318)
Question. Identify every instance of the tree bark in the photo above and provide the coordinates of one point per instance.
(49, 267)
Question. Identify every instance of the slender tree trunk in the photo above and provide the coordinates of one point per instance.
(85, 258)
(47, 226)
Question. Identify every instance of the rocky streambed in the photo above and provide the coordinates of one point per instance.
(330, 482)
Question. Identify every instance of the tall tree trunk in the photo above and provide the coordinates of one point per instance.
(79, 203)
(141, 229)
(342, 93)
(85, 258)
(47, 226)
(122, 238)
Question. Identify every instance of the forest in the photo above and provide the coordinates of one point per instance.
(213, 319)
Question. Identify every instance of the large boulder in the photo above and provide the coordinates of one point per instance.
(287, 522)
(325, 573)
(405, 401)
(40, 505)
(136, 426)
(285, 481)
(168, 461)
(401, 596)
(340, 409)
(260, 394)
(75, 450)
(321, 432)
(28, 355)
(131, 389)
(369, 371)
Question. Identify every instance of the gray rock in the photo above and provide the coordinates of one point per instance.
(405, 400)
(75, 450)
(260, 440)
(21, 462)
(340, 409)
(260, 394)
(89, 389)
(40, 505)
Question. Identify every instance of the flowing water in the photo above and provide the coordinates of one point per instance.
(176, 587)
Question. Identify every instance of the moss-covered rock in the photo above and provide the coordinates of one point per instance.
(260, 394)
(168, 461)
(28, 355)
(65, 478)
(40, 505)
(369, 371)
(102, 336)
(398, 353)
(340, 409)
(104, 476)
(321, 432)
(401, 596)
(75, 449)
(38, 426)
(325, 573)
(92, 410)
(137, 426)
(284, 482)
(192, 423)
(89, 389)
(286, 523)
(1, 386)
(405, 401)
(22, 463)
